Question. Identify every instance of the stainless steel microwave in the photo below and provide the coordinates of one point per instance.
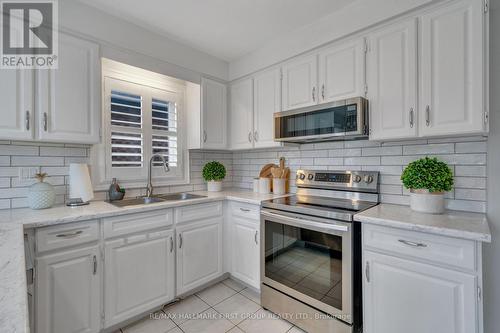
(341, 120)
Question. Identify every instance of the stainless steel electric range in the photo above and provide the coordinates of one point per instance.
(311, 250)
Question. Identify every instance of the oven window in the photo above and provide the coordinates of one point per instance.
(329, 121)
(308, 261)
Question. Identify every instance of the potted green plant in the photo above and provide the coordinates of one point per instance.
(213, 173)
(428, 179)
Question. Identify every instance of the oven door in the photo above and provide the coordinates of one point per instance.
(309, 259)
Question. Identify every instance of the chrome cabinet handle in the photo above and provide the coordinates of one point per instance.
(45, 121)
(411, 117)
(255, 237)
(410, 243)
(180, 241)
(245, 210)
(171, 244)
(94, 261)
(27, 120)
(255, 136)
(323, 91)
(204, 136)
(70, 235)
(367, 271)
(249, 136)
(427, 115)
(314, 94)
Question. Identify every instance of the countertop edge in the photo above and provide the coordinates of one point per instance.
(480, 236)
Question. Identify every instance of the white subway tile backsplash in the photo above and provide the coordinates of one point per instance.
(471, 147)
(466, 156)
(444, 148)
(4, 160)
(466, 170)
(18, 150)
(37, 161)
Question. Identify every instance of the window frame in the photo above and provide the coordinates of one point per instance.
(150, 86)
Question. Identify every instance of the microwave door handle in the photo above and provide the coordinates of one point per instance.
(306, 224)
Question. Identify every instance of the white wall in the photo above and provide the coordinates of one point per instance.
(491, 265)
(350, 19)
(129, 43)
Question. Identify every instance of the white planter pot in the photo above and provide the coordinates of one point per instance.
(214, 186)
(424, 201)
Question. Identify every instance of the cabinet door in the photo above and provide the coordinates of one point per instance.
(68, 98)
(17, 104)
(452, 61)
(68, 292)
(406, 296)
(342, 71)
(267, 101)
(300, 83)
(213, 114)
(245, 253)
(199, 253)
(242, 114)
(139, 274)
(392, 81)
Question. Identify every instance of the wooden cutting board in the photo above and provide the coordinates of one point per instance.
(265, 172)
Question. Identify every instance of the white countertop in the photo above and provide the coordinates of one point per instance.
(13, 289)
(455, 224)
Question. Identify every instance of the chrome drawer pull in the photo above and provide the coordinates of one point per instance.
(245, 210)
(171, 244)
(180, 241)
(70, 235)
(410, 243)
(255, 237)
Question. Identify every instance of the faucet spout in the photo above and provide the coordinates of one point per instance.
(149, 188)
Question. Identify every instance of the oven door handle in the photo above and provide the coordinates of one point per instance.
(300, 222)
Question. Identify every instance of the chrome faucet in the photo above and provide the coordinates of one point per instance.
(149, 188)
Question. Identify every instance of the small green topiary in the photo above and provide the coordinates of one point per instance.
(214, 171)
(429, 174)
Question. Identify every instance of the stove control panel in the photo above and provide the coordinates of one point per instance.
(362, 181)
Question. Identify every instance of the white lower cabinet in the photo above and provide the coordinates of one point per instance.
(245, 251)
(405, 292)
(199, 253)
(139, 274)
(68, 291)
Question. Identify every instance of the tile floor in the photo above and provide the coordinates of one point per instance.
(225, 307)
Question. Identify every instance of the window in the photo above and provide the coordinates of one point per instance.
(142, 116)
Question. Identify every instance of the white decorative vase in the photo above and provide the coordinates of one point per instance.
(424, 201)
(41, 195)
(214, 186)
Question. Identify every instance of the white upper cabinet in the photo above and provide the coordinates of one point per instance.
(342, 71)
(392, 81)
(452, 70)
(300, 82)
(213, 114)
(267, 101)
(17, 111)
(241, 115)
(68, 98)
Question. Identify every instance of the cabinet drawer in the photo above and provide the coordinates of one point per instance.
(431, 248)
(69, 234)
(198, 212)
(244, 210)
(126, 224)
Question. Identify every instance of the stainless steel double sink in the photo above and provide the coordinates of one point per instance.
(156, 198)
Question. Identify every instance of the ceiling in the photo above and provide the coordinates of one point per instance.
(227, 29)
